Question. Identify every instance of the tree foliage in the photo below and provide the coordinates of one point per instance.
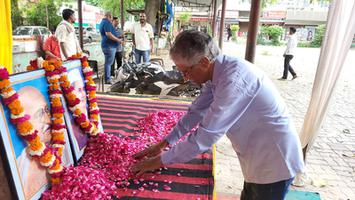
(185, 17)
(115, 6)
(16, 14)
(273, 33)
(36, 14)
(234, 28)
(319, 35)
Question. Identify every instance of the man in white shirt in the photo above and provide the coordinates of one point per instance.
(65, 33)
(289, 53)
(143, 39)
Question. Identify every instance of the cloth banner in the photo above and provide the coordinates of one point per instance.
(5, 35)
(336, 44)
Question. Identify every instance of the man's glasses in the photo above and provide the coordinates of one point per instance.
(186, 71)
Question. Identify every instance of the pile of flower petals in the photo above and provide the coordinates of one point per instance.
(109, 158)
(82, 183)
(113, 155)
(155, 126)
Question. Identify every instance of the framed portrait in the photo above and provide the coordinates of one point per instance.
(78, 137)
(28, 177)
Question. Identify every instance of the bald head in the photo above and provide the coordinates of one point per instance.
(108, 15)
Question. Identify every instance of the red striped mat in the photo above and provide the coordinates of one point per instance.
(192, 180)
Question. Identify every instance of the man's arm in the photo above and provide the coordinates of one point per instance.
(61, 35)
(62, 47)
(152, 45)
(151, 36)
(194, 115)
(288, 46)
(112, 37)
(231, 100)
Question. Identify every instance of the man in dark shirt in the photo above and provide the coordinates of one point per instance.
(109, 44)
(118, 54)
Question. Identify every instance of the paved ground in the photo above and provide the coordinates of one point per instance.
(331, 161)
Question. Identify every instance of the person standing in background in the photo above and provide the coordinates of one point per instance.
(51, 47)
(118, 54)
(288, 55)
(109, 44)
(143, 39)
(65, 33)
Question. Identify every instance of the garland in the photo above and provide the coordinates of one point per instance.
(56, 74)
(89, 125)
(49, 157)
(33, 65)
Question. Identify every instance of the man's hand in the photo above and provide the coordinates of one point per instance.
(146, 165)
(151, 151)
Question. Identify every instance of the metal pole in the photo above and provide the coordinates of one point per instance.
(221, 25)
(47, 16)
(122, 15)
(252, 30)
(214, 18)
(80, 18)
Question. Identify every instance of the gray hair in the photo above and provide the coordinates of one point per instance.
(192, 45)
(108, 13)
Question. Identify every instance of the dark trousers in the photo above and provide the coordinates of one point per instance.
(272, 191)
(287, 66)
(118, 57)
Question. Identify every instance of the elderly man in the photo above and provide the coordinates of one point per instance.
(143, 39)
(65, 34)
(109, 44)
(238, 100)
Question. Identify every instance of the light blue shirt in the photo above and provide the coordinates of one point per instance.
(243, 103)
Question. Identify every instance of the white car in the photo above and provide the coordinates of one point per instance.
(29, 31)
(29, 38)
(89, 34)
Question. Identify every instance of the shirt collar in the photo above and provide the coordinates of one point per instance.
(218, 63)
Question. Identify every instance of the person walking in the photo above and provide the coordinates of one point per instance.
(288, 55)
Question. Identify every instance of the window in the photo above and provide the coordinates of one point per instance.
(36, 32)
(22, 31)
(44, 31)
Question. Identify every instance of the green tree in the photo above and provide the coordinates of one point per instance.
(16, 14)
(185, 17)
(36, 14)
(319, 35)
(234, 28)
(115, 6)
(272, 32)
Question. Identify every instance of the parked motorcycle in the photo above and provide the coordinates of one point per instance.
(151, 78)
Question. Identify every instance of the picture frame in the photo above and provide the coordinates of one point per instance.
(78, 137)
(29, 179)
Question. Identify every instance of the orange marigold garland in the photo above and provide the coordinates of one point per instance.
(46, 155)
(57, 111)
(89, 125)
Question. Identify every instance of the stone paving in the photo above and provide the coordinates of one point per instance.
(331, 161)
